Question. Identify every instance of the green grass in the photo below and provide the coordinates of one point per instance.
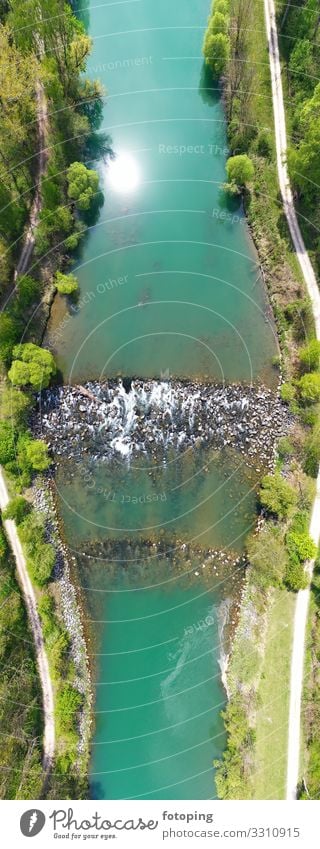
(273, 698)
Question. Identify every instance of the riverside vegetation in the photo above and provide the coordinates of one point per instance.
(277, 553)
(42, 44)
(299, 30)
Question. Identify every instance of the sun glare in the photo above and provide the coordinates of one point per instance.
(123, 173)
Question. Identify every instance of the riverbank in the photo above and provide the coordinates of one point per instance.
(288, 296)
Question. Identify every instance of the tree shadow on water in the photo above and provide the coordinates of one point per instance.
(209, 88)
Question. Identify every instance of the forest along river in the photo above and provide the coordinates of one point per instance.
(157, 478)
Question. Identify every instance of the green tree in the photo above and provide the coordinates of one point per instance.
(31, 365)
(218, 23)
(277, 495)
(240, 170)
(216, 51)
(82, 185)
(37, 455)
(221, 6)
(67, 284)
(17, 509)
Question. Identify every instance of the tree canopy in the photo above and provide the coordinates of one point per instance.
(31, 365)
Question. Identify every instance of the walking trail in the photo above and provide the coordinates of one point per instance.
(10, 526)
(302, 603)
(41, 655)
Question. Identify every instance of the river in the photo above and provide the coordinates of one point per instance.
(169, 289)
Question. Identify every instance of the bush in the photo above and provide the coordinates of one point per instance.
(41, 564)
(309, 387)
(285, 447)
(28, 291)
(3, 545)
(37, 455)
(287, 392)
(277, 495)
(240, 170)
(68, 703)
(17, 509)
(14, 405)
(9, 334)
(295, 577)
(264, 144)
(299, 544)
(310, 356)
(267, 557)
(312, 455)
(7, 443)
(66, 284)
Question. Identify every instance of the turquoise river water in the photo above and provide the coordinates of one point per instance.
(170, 288)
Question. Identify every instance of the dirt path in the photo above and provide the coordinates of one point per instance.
(302, 604)
(29, 238)
(35, 624)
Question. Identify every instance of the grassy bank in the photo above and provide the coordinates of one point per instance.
(20, 697)
(273, 697)
(256, 718)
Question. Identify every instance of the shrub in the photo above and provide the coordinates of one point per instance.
(287, 392)
(312, 448)
(277, 495)
(28, 291)
(240, 170)
(309, 387)
(66, 284)
(267, 557)
(37, 455)
(9, 334)
(41, 564)
(68, 703)
(264, 144)
(295, 577)
(299, 544)
(14, 405)
(17, 509)
(310, 356)
(285, 447)
(7, 443)
(3, 545)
